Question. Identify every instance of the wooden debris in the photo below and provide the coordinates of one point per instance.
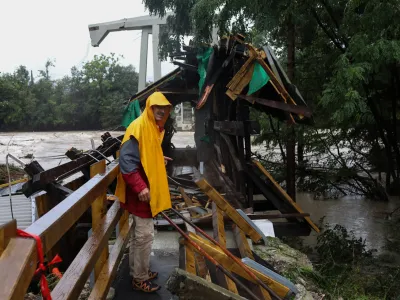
(7, 231)
(228, 209)
(245, 251)
(232, 266)
(200, 261)
(285, 195)
(219, 235)
(189, 287)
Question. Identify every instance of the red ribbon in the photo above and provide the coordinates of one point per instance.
(44, 287)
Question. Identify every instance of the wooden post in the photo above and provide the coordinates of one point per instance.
(219, 235)
(202, 269)
(190, 262)
(43, 206)
(228, 209)
(99, 210)
(7, 231)
(125, 214)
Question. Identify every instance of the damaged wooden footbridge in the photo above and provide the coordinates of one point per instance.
(217, 185)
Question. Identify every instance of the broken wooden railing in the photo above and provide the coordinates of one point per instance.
(18, 256)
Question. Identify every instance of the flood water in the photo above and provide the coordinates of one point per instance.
(366, 218)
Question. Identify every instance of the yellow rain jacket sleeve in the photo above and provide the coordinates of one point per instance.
(147, 133)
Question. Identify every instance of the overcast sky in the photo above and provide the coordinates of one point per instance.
(34, 31)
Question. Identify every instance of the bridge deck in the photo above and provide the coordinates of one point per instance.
(164, 259)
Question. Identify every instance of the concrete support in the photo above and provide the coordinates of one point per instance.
(143, 58)
(188, 286)
(214, 35)
(156, 61)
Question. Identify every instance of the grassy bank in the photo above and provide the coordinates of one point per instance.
(343, 268)
(15, 173)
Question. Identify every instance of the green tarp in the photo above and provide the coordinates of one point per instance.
(132, 111)
(258, 80)
(203, 58)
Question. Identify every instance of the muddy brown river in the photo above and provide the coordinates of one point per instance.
(366, 218)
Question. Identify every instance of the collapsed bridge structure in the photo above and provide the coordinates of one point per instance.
(217, 184)
(223, 83)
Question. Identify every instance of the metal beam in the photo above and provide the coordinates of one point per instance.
(148, 25)
(98, 32)
(143, 58)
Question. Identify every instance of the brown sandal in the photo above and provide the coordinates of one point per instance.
(145, 286)
(152, 275)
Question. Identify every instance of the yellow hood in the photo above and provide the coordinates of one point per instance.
(146, 131)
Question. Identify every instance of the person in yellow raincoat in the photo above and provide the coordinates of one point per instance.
(142, 186)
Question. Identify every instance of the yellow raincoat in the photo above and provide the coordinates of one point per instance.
(147, 133)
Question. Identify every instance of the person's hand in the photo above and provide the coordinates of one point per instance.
(167, 159)
(144, 195)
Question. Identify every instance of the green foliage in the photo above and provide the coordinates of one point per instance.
(346, 268)
(90, 98)
(347, 55)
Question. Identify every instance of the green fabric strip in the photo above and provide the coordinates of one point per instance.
(203, 58)
(258, 80)
(132, 111)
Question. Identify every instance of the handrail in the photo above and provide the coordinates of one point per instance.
(18, 256)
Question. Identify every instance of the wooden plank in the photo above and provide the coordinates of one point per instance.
(7, 231)
(231, 149)
(260, 56)
(285, 195)
(232, 266)
(190, 262)
(241, 78)
(17, 265)
(242, 243)
(53, 225)
(219, 235)
(188, 201)
(228, 209)
(201, 265)
(300, 110)
(109, 270)
(42, 204)
(124, 218)
(99, 209)
(277, 85)
(74, 279)
(21, 263)
(245, 251)
(76, 183)
(268, 192)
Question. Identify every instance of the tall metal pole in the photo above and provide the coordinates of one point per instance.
(144, 43)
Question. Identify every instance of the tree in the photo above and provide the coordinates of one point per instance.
(347, 64)
(90, 98)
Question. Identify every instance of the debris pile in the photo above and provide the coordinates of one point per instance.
(265, 263)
